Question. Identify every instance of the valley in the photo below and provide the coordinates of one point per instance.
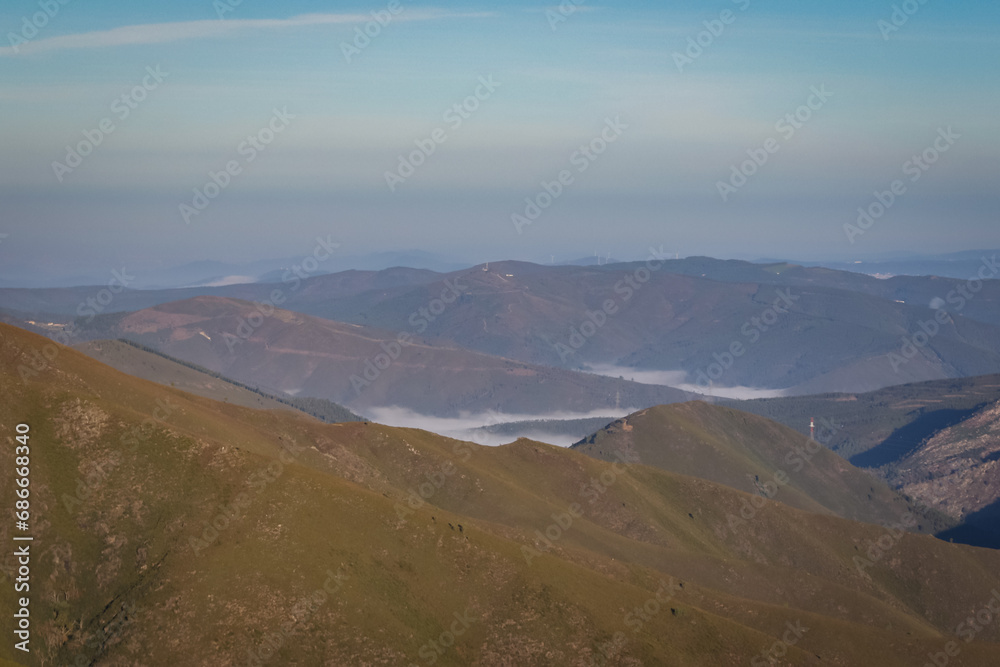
(353, 525)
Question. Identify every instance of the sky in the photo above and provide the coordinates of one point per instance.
(580, 128)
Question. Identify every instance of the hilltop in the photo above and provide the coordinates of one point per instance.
(755, 455)
(361, 367)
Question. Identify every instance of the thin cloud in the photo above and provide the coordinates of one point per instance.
(163, 33)
(469, 426)
(577, 9)
(678, 380)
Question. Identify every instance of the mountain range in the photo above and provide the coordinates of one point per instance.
(362, 367)
(713, 324)
(165, 521)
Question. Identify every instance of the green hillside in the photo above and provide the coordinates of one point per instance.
(757, 456)
(170, 529)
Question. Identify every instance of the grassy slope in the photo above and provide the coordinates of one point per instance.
(891, 430)
(123, 555)
(744, 451)
(148, 365)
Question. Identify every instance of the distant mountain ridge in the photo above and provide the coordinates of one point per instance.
(961, 265)
(203, 272)
(362, 367)
(803, 330)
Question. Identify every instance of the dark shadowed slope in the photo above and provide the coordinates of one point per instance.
(878, 427)
(957, 471)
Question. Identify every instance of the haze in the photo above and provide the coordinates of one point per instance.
(555, 81)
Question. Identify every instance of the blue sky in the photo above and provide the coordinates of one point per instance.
(658, 183)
